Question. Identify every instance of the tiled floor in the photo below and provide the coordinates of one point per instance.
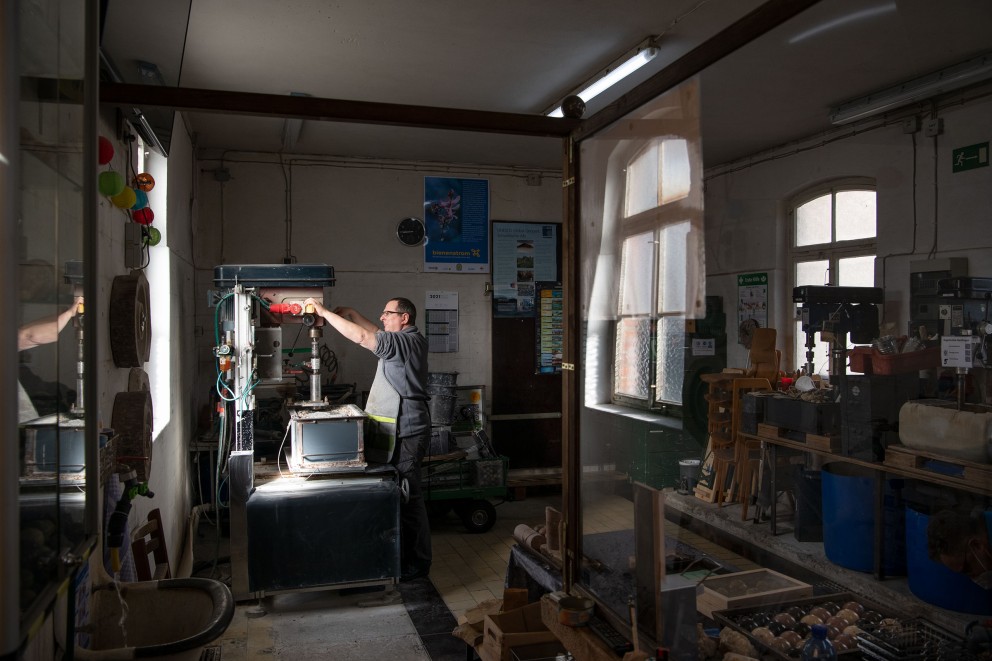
(468, 570)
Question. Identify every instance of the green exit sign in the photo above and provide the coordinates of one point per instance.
(970, 157)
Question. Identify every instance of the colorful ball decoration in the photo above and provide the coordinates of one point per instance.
(144, 181)
(152, 237)
(125, 199)
(140, 199)
(110, 183)
(105, 150)
(143, 216)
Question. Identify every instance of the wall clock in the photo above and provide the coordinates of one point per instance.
(411, 232)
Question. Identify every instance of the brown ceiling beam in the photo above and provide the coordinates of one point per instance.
(332, 110)
(752, 26)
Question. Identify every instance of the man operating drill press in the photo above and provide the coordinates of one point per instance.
(399, 391)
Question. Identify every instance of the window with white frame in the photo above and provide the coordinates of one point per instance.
(833, 230)
(649, 361)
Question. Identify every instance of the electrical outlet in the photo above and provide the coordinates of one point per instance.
(911, 125)
(933, 127)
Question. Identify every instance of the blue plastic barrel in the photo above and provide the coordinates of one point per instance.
(849, 519)
(933, 582)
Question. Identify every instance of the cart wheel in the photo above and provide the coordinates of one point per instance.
(477, 515)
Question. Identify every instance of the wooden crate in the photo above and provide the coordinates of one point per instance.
(504, 631)
(745, 589)
(830, 443)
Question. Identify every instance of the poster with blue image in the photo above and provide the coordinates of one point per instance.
(456, 215)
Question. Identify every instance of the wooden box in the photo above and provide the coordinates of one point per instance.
(514, 628)
(749, 588)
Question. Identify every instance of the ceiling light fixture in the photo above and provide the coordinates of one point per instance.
(292, 127)
(948, 79)
(619, 69)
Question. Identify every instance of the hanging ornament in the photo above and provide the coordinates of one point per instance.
(110, 183)
(125, 199)
(144, 181)
(140, 199)
(105, 150)
(151, 236)
(143, 216)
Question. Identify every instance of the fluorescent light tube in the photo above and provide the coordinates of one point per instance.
(291, 128)
(612, 77)
(918, 89)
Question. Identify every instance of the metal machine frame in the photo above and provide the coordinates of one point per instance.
(279, 291)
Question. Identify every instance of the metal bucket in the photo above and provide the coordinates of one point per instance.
(449, 379)
(442, 408)
(688, 475)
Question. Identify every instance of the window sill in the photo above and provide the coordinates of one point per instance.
(650, 417)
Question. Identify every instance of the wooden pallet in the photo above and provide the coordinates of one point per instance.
(899, 456)
(831, 443)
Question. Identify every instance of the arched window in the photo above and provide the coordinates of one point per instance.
(833, 243)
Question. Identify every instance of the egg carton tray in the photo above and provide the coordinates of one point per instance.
(914, 640)
(734, 618)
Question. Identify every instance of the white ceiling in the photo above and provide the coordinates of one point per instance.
(522, 56)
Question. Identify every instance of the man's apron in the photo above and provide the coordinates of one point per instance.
(382, 407)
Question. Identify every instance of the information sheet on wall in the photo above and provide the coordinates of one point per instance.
(752, 305)
(549, 327)
(441, 314)
(523, 254)
(456, 216)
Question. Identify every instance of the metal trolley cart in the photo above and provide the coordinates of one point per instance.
(465, 485)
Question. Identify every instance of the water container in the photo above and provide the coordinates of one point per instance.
(933, 582)
(849, 519)
(818, 647)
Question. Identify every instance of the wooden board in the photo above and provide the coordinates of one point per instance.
(753, 588)
(951, 467)
(830, 443)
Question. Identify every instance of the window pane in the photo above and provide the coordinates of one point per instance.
(855, 214)
(813, 222)
(672, 267)
(632, 374)
(674, 171)
(856, 271)
(671, 359)
(813, 273)
(637, 263)
(642, 182)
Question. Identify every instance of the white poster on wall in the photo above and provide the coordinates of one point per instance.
(441, 321)
(752, 305)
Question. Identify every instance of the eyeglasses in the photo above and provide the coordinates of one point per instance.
(392, 312)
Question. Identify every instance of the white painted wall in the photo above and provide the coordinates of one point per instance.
(747, 226)
(344, 213)
(169, 479)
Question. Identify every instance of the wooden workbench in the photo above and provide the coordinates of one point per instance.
(973, 478)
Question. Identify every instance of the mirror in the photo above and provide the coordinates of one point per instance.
(52, 470)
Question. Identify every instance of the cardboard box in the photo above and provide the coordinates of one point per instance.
(749, 588)
(504, 631)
